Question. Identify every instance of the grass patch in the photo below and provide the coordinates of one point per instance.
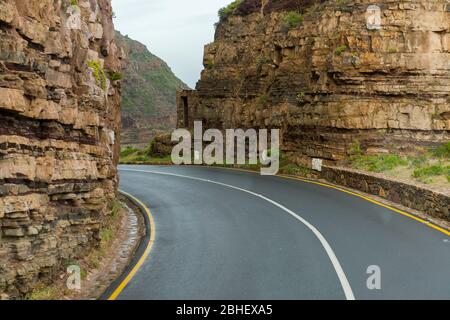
(133, 155)
(442, 152)
(293, 169)
(106, 234)
(432, 171)
(378, 163)
(355, 149)
(418, 162)
(430, 166)
(116, 207)
(138, 156)
(128, 151)
(94, 258)
(44, 293)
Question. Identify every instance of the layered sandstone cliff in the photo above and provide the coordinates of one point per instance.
(318, 71)
(59, 123)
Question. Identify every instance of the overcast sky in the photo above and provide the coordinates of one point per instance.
(174, 30)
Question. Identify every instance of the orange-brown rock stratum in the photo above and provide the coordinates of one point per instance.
(59, 129)
(327, 74)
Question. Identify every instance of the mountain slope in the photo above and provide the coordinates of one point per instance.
(149, 93)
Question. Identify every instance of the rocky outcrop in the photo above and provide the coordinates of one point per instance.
(324, 75)
(59, 125)
(149, 94)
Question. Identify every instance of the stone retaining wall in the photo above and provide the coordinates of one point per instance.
(430, 202)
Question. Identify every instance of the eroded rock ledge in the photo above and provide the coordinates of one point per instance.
(327, 79)
(59, 123)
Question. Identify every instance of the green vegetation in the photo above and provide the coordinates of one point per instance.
(106, 234)
(262, 60)
(418, 161)
(210, 64)
(98, 73)
(128, 151)
(135, 158)
(442, 152)
(43, 293)
(226, 11)
(340, 50)
(296, 170)
(314, 11)
(74, 2)
(429, 166)
(293, 19)
(378, 163)
(301, 95)
(355, 149)
(114, 76)
(431, 171)
(140, 156)
(115, 208)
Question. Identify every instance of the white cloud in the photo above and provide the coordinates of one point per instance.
(174, 30)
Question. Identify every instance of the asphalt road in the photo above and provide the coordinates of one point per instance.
(223, 234)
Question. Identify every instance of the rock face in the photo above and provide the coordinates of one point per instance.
(326, 74)
(59, 125)
(149, 94)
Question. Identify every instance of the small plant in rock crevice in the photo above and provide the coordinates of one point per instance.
(355, 149)
(210, 64)
(340, 50)
(98, 73)
(262, 60)
(293, 19)
(114, 76)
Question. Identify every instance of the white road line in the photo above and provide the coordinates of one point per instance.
(334, 260)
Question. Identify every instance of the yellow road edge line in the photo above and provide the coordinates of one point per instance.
(409, 215)
(144, 256)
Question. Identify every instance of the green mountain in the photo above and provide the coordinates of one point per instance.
(149, 93)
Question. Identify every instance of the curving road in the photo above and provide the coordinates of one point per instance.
(223, 234)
